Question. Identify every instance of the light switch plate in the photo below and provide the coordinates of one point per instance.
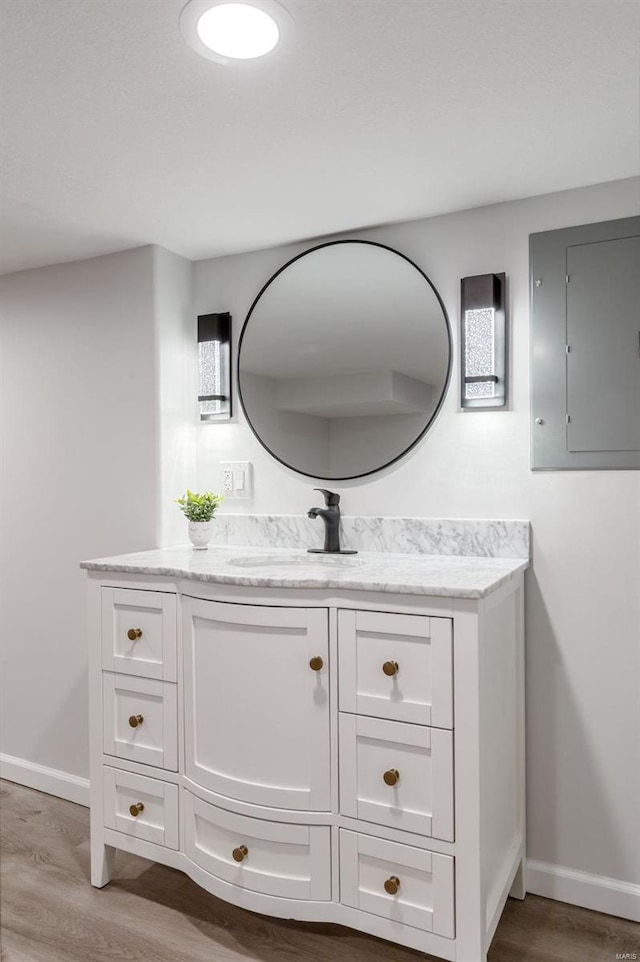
(237, 480)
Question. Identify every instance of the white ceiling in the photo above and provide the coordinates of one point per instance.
(116, 134)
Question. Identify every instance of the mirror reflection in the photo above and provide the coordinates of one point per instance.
(344, 360)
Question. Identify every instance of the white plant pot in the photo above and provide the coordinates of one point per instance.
(200, 534)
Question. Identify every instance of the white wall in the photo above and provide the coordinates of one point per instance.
(79, 442)
(176, 389)
(583, 611)
(98, 429)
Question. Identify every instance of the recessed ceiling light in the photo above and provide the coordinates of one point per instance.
(229, 31)
(238, 30)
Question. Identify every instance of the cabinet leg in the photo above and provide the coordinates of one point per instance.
(468, 954)
(519, 887)
(102, 857)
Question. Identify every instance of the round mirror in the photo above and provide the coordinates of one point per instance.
(344, 359)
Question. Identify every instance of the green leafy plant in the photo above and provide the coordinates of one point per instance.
(199, 507)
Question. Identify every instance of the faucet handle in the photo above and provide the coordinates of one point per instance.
(331, 499)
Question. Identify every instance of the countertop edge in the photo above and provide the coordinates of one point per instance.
(301, 583)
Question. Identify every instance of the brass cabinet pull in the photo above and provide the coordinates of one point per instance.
(135, 720)
(392, 885)
(136, 809)
(391, 777)
(240, 853)
(316, 663)
(390, 668)
(134, 633)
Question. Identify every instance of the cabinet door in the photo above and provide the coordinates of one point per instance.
(603, 374)
(396, 666)
(256, 711)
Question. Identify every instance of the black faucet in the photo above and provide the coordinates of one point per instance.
(331, 517)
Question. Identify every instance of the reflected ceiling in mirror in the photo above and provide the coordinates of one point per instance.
(344, 359)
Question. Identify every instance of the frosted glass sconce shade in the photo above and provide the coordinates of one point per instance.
(214, 366)
(483, 342)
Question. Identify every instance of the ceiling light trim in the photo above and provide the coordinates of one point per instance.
(194, 10)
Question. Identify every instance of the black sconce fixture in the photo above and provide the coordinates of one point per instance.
(214, 366)
(483, 342)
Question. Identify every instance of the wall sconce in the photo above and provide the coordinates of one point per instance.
(483, 341)
(214, 366)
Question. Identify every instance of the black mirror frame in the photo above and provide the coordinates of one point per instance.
(447, 382)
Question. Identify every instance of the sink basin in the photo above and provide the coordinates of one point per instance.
(297, 561)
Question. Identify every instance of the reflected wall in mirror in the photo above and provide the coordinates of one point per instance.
(344, 359)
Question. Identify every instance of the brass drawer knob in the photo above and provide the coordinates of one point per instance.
(392, 885)
(135, 720)
(390, 668)
(136, 809)
(240, 853)
(391, 777)
(316, 663)
(134, 633)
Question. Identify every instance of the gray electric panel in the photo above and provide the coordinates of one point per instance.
(585, 354)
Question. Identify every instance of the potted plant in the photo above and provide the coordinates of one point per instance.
(199, 510)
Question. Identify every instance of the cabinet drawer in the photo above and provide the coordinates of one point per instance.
(156, 821)
(154, 740)
(139, 632)
(288, 861)
(396, 666)
(397, 775)
(422, 882)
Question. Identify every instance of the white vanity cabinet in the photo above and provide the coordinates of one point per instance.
(314, 753)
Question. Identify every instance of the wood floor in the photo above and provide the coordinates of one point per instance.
(149, 913)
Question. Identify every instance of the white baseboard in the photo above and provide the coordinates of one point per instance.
(49, 780)
(595, 892)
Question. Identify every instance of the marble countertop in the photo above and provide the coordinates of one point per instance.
(416, 574)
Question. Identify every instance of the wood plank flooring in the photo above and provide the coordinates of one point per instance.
(150, 913)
